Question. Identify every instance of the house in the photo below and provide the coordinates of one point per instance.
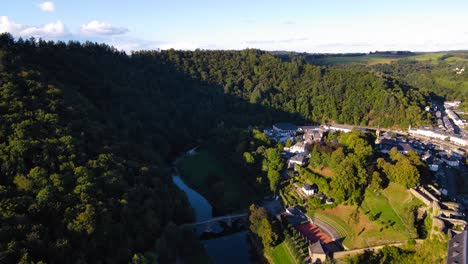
(457, 249)
(295, 217)
(285, 128)
(451, 161)
(427, 155)
(342, 128)
(299, 147)
(310, 189)
(452, 104)
(434, 167)
(313, 136)
(299, 159)
(316, 253)
(404, 148)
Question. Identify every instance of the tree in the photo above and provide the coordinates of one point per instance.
(249, 159)
(261, 226)
(376, 181)
(273, 177)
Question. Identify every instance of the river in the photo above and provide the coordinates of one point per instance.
(232, 248)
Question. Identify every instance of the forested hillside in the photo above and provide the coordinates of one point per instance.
(87, 133)
(437, 76)
(65, 195)
(350, 94)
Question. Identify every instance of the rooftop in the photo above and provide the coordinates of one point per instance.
(457, 249)
(298, 157)
(316, 248)
(310, 187)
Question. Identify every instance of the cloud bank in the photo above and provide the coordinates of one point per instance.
(53, 29)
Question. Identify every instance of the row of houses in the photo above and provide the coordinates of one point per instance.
(435, 134)
(455, 118)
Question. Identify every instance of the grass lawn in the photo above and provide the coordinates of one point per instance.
(216, 180)
(382, 219)
(280, 255)
(326, 172)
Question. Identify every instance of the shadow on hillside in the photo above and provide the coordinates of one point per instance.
(140, 107)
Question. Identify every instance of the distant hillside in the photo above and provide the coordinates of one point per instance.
(374, 57)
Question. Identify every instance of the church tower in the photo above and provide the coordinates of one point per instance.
(377, 133)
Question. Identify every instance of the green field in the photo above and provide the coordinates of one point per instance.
(366, 59)
(280, 255)
(382, 218)
(436, 58)
(371, 59)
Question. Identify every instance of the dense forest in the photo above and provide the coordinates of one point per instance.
(88, 133)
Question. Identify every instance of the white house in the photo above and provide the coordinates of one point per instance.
(299, 147)
(459, 141)
(310, 189)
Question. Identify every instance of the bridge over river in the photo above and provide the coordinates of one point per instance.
(228, 219)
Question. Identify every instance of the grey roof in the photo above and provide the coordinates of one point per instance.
(285, 126)
(457, 249)
(310, 187)
(404, 147)
(299, 157)
(316, 248)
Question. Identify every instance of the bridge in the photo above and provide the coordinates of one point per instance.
(228, 219)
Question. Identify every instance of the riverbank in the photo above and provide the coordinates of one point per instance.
(217, 180)
(227, 247)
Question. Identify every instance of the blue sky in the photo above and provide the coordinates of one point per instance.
(296, 25)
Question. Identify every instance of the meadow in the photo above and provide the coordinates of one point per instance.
(383, 218)
(279, 255)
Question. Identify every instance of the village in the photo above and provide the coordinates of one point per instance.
(443, 200)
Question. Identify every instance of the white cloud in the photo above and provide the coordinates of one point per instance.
(53, 29)
(102, 28)
(7, 25)
(47, 6)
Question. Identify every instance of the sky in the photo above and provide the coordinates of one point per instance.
(325, 26)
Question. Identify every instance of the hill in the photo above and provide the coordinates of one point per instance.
(88, 134)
